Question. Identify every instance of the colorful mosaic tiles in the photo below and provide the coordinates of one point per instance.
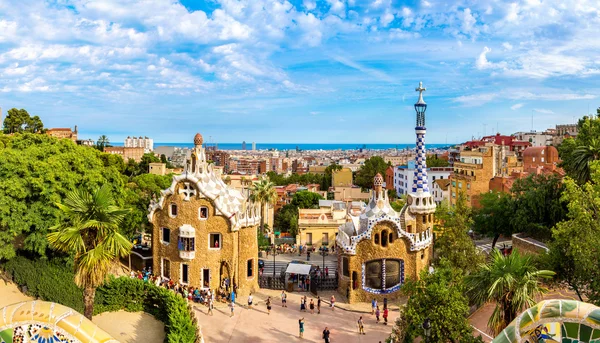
(564, 321)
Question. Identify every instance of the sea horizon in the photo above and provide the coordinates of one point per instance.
(301, 146)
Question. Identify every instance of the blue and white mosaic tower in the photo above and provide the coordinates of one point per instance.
(420, 200)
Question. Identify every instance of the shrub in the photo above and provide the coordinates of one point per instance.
(53, 281)
(46, 280)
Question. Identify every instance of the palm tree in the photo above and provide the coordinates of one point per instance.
(264, 193)
(512, 282)
(91, 234)
(102, 142)
(582, 156)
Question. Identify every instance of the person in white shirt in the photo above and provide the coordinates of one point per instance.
(250, 300)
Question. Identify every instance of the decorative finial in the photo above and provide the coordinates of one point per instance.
(420, 89)
(420, 106)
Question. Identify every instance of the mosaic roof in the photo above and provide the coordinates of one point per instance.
(46, 322)
(200, 177)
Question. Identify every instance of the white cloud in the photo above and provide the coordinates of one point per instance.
(507, 46)
(483, 63)
(516, 107)
(520, 94)
(309, 5)
(544, 111)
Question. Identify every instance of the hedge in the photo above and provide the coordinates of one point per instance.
(53, 281)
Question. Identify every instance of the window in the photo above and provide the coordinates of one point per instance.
(454, 194)
(384, 238)
(166, 235)
(205, 278)
(468, 185)
(459, 184)
(374, 276)
(376, 238)
(434, 178)
(453, 183)
(345, 267)
(214, 241)
(184, 273)
(165, 267)
(534, 159)
(187, 244)
(542, 159)
(250, 268)
(424, 219)
(472, 173)
(173, 210)
(391, 239)
(325, 239)
(203, 213)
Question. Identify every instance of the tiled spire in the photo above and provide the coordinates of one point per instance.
(420, 179)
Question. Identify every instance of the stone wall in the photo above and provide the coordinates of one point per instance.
(367, 250)
(527, 245)
(229, 260)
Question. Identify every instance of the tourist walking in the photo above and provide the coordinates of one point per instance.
(318, 305)
(385, 315)
(308, 255)
(250, 300)
(361, 326)
(283, 299)
(269, 305)
(326, 334)
(232, 306)
(210, 306)
(373, 306)
(302, 304)
(332, 302)
(312, 306)
(377, 314)
(301, 325)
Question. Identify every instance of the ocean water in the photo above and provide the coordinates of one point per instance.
(301, 146)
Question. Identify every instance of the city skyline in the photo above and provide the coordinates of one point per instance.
(301, 71)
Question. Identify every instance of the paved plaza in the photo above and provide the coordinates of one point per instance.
(255, 325)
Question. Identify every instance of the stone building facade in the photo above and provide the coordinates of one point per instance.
(380, 248)
(63, 133)
(204, 231)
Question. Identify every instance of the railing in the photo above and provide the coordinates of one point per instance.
(187, 255)
(267, 281)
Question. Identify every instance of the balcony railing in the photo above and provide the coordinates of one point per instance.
(187, 255)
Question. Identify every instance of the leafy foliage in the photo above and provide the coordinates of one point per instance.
(38, 170)
(577, 153)
(495, 216)
(286, 219)
(439, 297)
(366, 173)
(47, 280)
(18, 121)
(435, 161)
(575, 247)
(265, 194)
(323, 180)
(512, 282)
(454, 244)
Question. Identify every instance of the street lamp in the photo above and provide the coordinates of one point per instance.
(323, 253)
(427, 329)
(274, 250)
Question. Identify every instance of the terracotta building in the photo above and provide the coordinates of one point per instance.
(63, 133)
(203, 231)
(379, 248)
(389, 178)
(127, 153)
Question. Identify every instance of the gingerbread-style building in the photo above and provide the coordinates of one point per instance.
(380, 248)
(205, 232)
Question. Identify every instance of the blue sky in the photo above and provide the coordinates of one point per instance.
(299, 71)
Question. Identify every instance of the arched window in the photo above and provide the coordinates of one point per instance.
(354, 280)
(384, 238)
(203, 213)
(424, 219)
(391, 239)
(376, 238)
(173, 210)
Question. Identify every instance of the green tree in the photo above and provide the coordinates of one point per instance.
(494, 216)
(537, 205)
(139, 191)
(286, 219)
(575, 247)
(144, 165)
(91, 234)
(102, 142)
(20, 121)
(38, 170)
(435, 161)
(512, 282)
(306, 199)
(454, 244)
(581, 158)
(163, 159)
(577, 153)
(366, 173)
(264, 193)
(438, 297)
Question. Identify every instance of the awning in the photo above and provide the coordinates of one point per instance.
(298, 268)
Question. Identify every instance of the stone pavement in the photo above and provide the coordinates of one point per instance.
(255, 325)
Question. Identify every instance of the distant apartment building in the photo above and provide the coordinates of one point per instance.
(285, 194)
(127, 153)
(564, 131)
(318, 227)
(398, 160)
(180, 156)
(247, 166)
(157, 168)
(513, 144)
(220, 158)
(404, 175)
(63, 133)
(441, 191)
(139, 142)
(353, 193)
(535, 138)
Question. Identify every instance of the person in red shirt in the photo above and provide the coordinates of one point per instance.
(385, 315)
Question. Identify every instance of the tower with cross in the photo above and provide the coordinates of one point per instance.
(421, 202)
